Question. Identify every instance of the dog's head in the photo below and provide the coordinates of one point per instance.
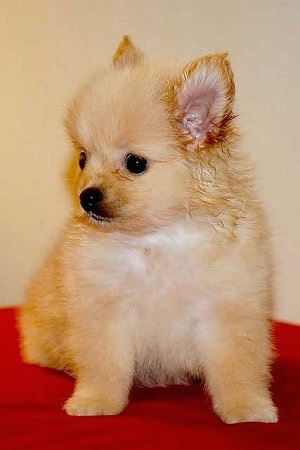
(148, 138)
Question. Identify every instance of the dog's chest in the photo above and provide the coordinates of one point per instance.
(165, 271)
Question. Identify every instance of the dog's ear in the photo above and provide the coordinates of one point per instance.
(202, 101)
(127, 54)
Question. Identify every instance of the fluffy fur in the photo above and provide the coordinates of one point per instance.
(171, 280)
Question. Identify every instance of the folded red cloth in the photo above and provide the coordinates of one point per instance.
(180, 417)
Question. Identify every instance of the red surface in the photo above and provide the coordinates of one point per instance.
(177, 418)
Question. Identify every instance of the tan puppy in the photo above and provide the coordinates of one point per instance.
(163, 273)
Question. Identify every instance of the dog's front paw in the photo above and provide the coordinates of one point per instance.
(93, 405)
(262, 410)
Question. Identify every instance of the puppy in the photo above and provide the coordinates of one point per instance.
(163, 274)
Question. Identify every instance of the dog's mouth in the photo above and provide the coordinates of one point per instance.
(95, 218)
(107, 223)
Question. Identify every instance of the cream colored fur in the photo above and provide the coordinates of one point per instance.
(177, 283)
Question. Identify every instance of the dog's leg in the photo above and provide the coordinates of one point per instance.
(103, 367)
(41, 342)
(237, 353)
(41, 324)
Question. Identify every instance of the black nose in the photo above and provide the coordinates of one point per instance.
(90, 199)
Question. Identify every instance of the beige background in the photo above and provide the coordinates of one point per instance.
(48, 46)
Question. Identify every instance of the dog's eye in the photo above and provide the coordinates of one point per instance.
(82, 159)
(135, 164)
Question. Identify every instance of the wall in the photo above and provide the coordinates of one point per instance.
(49, 46)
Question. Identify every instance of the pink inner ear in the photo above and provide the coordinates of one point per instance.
(197, 111)
(195, 119)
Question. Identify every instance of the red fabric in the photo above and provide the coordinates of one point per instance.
(177, 417)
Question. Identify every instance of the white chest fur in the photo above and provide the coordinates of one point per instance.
(159, 262)
(164, 273)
